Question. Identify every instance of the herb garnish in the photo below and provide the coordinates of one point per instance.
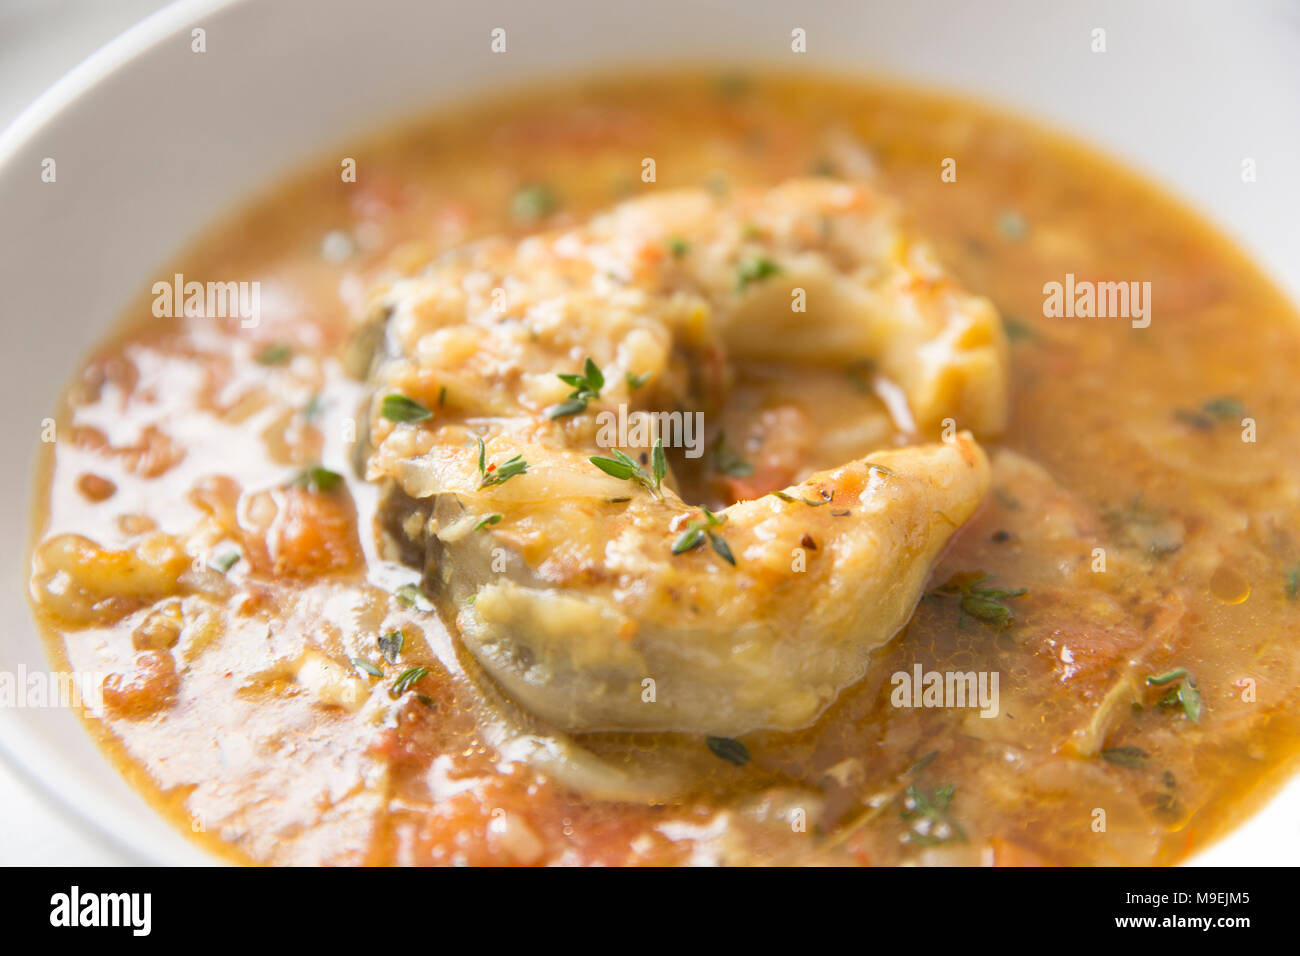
(783, 496)
(754, 270)
(723, 458)
(928, 814)
(700, 529)
(1184, 693)
(407, 678)
(1293, 583)
(226, 561)
(275, 354)
(1011, 225)
(586, 386)
(625, 467)
(399, 408)
(861, 373)
(390, 645)
(636, 381)
(678, 246)
(1221, 409)
(1131, 757)
(983, 604)
(486, 520)
(1146, 528)
(532, 203)
(318, 478)
(1224, 408)
(921, 763)
(412, 596)
(1018, 330)
(362, 664)
(822, 167)
(1159, 680)
(734, 84)
(732, 751)
(498, 474)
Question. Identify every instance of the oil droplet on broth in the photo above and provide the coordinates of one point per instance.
(1229, 586)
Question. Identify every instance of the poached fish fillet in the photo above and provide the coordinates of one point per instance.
(604, 601)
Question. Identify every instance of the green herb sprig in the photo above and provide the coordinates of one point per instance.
(407, 678)
(732, 751)
(586, 386)
(987, 605)
(361, 664)
(790, 499)
(390, 645)
(929, 814)
(533, 203)
(275, 354)
(1182, 693)
(490, 476)
(701, 529)
(410, 595)
(399, 408)
(317, 478)
(755, 270)
(1129, 756)
(226, 561)
(626, 468)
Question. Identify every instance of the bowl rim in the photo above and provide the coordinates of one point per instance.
(132, 41)
(25, 128)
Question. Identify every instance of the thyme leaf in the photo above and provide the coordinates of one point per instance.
(982, 603)
(1159, 680)
(408, 677)
(411, 596)
(318, 478)
(275, 354)
(586, 386)
(1182, 693)
(1131, 757)
(928, 812)
(755, 270)
(701, 529)
(732, 751)
(362, 664)
(226, 561)
(399, 408)
(390, 645)
(498, 474)
(623, 466)
(533, 203)
(783, 496)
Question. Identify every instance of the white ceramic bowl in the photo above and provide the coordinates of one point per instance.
(153, 141)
